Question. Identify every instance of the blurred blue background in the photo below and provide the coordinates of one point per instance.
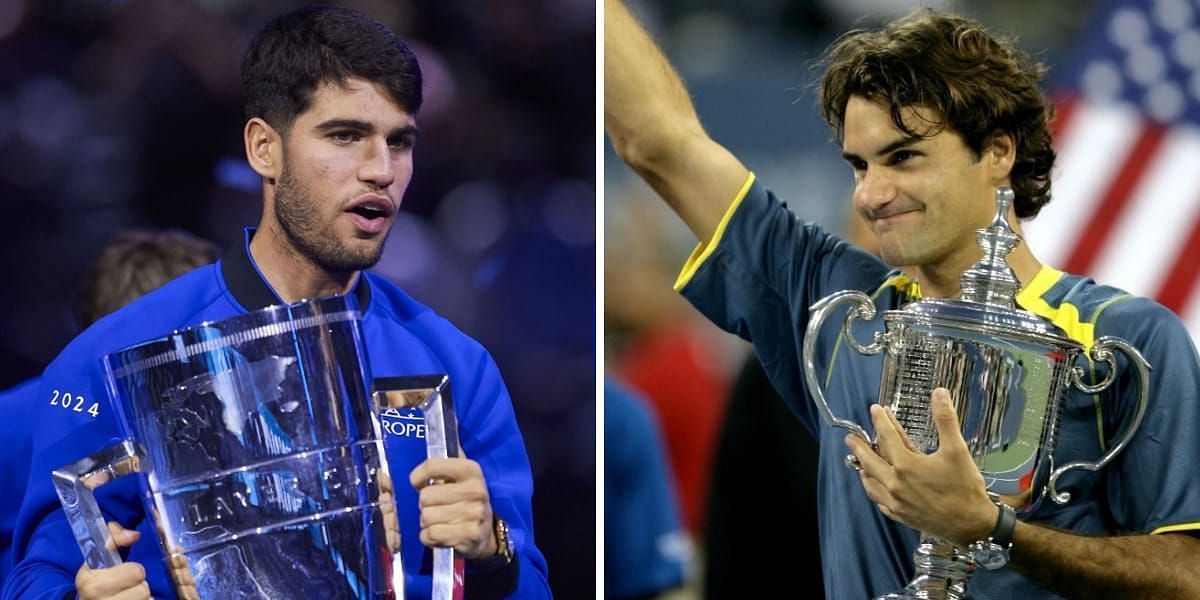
(117, 114)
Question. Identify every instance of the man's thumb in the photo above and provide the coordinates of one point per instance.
(122, 537)
(943, 415)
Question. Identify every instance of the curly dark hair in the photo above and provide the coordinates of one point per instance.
(977, 83)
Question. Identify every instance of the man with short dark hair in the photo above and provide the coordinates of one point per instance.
(933, 114)
(331, 100)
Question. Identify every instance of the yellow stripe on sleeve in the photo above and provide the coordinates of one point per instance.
(1177, 528)
(1065, 316)
(904, 284)
(704, 249)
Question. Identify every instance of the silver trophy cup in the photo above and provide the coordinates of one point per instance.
(259, 451)
(1007, 371)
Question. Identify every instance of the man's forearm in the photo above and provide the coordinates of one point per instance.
(654, 127)
(646, 105)
(1135, 566)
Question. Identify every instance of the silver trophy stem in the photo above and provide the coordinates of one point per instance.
(431, 395)
(941, 572)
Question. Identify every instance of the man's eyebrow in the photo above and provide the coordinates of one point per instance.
(903, 142)
(353, 124)
(366, 128)
(405, 131)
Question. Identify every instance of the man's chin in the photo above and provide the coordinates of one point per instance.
(355, 258)
(894, 256)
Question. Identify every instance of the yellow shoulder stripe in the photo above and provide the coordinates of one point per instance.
(1065, 316)
(704, 249)
(1177, 528)
(904, 284)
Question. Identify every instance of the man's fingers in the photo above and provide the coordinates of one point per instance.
(453, 493)
(870, 463)
(470, 513)
(126, 580)
(138, 592)
(908, 443)
(463, 537)
(444, 470)
(123, 538)
(946, 421)
(889, 436)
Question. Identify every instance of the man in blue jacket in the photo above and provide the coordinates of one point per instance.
(331, 101)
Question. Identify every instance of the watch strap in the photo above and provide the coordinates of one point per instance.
(496, 576)
(1006, 521)
(504, 549)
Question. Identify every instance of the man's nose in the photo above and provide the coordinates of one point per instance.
(874, 189)
(378, 168)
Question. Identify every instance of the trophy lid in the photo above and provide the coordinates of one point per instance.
(989, 287)
(991, 280)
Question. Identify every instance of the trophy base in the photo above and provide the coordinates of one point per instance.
(942, 572)
(940, 589)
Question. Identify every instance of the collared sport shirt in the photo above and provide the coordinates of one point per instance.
(764, 268)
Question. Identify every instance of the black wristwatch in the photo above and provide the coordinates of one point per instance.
(994, 552)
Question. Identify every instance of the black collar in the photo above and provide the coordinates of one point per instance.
(252, 291)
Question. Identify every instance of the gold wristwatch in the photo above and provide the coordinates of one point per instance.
(504, 549)
(504, 545)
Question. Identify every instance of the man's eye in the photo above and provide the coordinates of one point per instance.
(900, 156)
(345, 137)
(403, 143)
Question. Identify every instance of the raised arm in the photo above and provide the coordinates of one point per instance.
(654, 128)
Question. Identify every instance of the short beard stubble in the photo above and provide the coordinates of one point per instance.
(297, 213)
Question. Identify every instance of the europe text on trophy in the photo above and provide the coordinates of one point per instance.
(259, 451)
(1007, 371)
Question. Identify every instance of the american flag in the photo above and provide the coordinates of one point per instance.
(1126, 193)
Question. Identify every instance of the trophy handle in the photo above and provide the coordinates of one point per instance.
(862, 309)
(1101, 352)
(75, 483)
(430, 394)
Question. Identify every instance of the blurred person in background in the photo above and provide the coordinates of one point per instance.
(646, 551)
(332, 98)
(658, 346)
(926, 167)
(134, 263)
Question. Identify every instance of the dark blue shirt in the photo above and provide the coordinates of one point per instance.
(765, 268)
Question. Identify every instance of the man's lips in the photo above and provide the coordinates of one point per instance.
(886, 218)
(372, 206)
(371, 213)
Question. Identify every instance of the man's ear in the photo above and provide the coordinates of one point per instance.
(264, 148)
(1000, 153)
